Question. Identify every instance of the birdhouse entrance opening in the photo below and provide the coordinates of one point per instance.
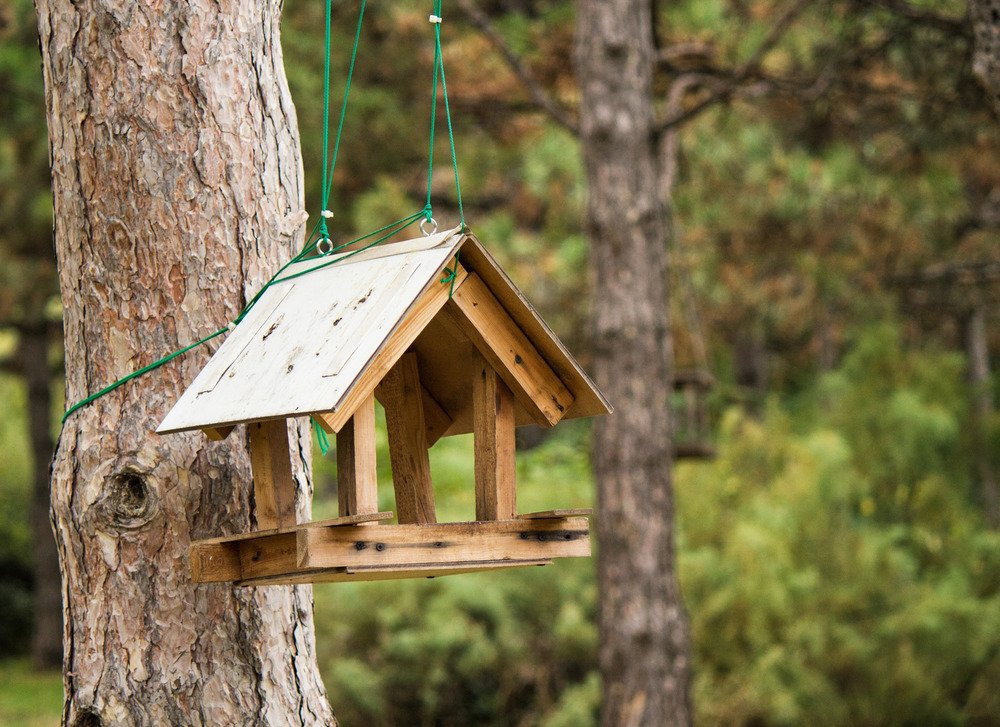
(443, 356)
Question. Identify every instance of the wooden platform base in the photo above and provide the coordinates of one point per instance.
(338, 550)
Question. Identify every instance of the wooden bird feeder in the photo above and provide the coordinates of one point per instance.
(443, 358)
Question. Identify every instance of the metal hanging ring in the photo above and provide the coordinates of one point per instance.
(433, 229)
(324, 246)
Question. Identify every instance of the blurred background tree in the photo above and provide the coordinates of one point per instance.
(30, 338)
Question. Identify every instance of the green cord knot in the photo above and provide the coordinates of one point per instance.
(427, 211)
(450, 275)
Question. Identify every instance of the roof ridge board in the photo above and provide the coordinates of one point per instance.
(385, 249)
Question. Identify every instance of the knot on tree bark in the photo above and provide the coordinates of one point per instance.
(127, 502)
(88, 718)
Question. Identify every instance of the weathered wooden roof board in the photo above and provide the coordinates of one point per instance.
(310, 339)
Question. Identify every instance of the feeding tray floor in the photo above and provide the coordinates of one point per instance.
(354, 548)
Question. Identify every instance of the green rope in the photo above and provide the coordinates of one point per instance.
(320, 231)
(326, 117)
(328, 185)
(450, 273)
(447, 113)
(324, 443)
(394, 227)
(140, 372)
(436, 20)
(328, 165)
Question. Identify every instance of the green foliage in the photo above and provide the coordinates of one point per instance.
(834, 567)
(511, 647)
(29, 699)
(16, 603)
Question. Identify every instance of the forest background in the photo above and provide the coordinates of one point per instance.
(836, 198)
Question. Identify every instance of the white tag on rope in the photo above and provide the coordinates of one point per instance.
(434, 19)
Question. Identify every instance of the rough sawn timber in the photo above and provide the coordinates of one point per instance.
(316, 552)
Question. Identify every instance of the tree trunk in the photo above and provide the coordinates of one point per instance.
(643, 655)
(982, 412)
(46, 641)
(985, 18)
(177, 185)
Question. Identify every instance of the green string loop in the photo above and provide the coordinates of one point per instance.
(324, 443)
(140, 372)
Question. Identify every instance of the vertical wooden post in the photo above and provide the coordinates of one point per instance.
(273, 485)
(493, 433)
(401, 394)
(357, 482)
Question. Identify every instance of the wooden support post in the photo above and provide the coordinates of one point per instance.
(273, 485)
(493, 432)
(401, 394)
(436, 419)
(357, 483)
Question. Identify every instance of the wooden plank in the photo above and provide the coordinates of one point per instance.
(323, 419)
(218, 559)
(400, 394)
(407, 545)
(308, 551)
(344, 575)
(549, 514)
(588, 400)
(271, 554)
(218, 434)
(404, 335)
(505, 346)
(336, 522)
(273, 485)
(437, 421)
(357, 478)
(493, 444)
(214, 562)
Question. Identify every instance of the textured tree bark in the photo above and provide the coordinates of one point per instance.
(177, 185)
(643, 656)
(985, 18)
(46, 641)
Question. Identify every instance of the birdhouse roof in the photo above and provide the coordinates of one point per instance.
(323, 335)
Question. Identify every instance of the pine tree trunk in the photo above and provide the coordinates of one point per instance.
(177, 186)
(644, 657)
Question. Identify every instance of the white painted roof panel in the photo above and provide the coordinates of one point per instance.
(310, 336)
